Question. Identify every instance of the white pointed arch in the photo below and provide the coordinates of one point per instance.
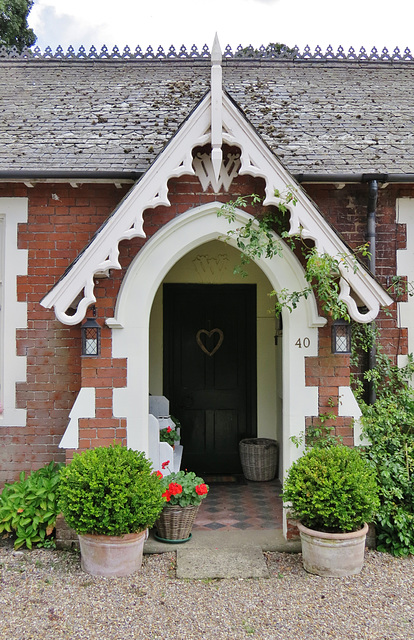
(130, 335)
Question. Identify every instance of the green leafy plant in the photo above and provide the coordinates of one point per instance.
(169, 435)
(257, 239)
(28, 507)
(110, 491)
(388, 424)
(183, 488)
(332, 489)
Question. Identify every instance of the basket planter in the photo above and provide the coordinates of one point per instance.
(333, 554)
(259, 458)
(111, 556)
(174, 524)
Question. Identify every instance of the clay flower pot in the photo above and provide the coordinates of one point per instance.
(111, 556)
(333, 554)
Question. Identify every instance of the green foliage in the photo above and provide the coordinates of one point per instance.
(184, 488)
(256, 239)
(110, 491)
(168, 435)
(332, 489)
(273, 49)
(29, 507)
(389, 426)
(14, 30)
(318, 434)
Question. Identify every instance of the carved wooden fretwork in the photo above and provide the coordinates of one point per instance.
(204, 171)
(209, 268)
(215, 121)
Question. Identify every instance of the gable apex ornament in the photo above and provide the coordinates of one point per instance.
(177, 159)
(216, 108)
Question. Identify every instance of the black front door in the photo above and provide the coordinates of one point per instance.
(210, 371)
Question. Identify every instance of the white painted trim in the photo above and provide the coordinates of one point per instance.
(349, 407)
(83, 407)
(176, 160)
(258, 160)
(13, 211)
(140, 284)
(405, 267)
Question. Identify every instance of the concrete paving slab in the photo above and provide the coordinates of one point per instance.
(266, 539)
(202, 563)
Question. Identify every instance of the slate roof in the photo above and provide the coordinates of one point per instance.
(108, 115)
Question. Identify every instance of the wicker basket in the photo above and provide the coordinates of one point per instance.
(175, 523)
(259, 458)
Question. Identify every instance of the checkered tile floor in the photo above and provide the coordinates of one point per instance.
(255, 505)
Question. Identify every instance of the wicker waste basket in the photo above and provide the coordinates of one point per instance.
(259, 458)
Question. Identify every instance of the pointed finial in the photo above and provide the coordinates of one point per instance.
(216, 109)
(216, 55)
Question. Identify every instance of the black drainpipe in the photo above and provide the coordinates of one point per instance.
(371, 237)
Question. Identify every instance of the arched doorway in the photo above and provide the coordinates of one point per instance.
(213, 353)
(131, 330)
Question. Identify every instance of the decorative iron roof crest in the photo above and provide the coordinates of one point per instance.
(270, 52)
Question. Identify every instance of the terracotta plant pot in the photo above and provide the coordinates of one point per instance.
(111, 556)
(333, 554)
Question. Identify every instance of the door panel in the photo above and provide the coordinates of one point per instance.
(210, 370)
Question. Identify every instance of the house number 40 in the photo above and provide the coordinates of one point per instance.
(302, 343)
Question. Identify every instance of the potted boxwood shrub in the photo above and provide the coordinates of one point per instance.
(110, 497)
(333, 493)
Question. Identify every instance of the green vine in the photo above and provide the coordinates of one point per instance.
(267, 234)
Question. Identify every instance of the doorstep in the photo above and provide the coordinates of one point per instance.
(266, 540)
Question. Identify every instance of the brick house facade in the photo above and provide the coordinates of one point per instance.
(94, 200)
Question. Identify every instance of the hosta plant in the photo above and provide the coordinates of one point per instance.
(110, 491)
(28, 507)
(332, 489)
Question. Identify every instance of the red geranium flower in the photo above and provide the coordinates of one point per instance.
(169, 429)
(158, 474)
(165, 464)
(175, 488)
(167, 495)
(201, 489)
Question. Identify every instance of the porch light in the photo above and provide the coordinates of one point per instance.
(341, 337)
(91, 336)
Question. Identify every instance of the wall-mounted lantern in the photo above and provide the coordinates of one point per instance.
(91, 336)
(341, 337)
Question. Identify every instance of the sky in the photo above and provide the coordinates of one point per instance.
(354, 23)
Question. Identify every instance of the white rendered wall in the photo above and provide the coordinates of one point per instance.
(13, 314)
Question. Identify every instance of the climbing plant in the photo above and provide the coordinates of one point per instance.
(257, 239)
(388, 424)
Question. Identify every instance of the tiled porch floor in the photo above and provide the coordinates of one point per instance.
(254, 506)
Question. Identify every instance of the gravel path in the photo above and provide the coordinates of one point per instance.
(44, 594)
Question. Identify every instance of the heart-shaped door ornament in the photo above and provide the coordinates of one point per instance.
(208, 334)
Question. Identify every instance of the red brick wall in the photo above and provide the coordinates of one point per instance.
(62, 219)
